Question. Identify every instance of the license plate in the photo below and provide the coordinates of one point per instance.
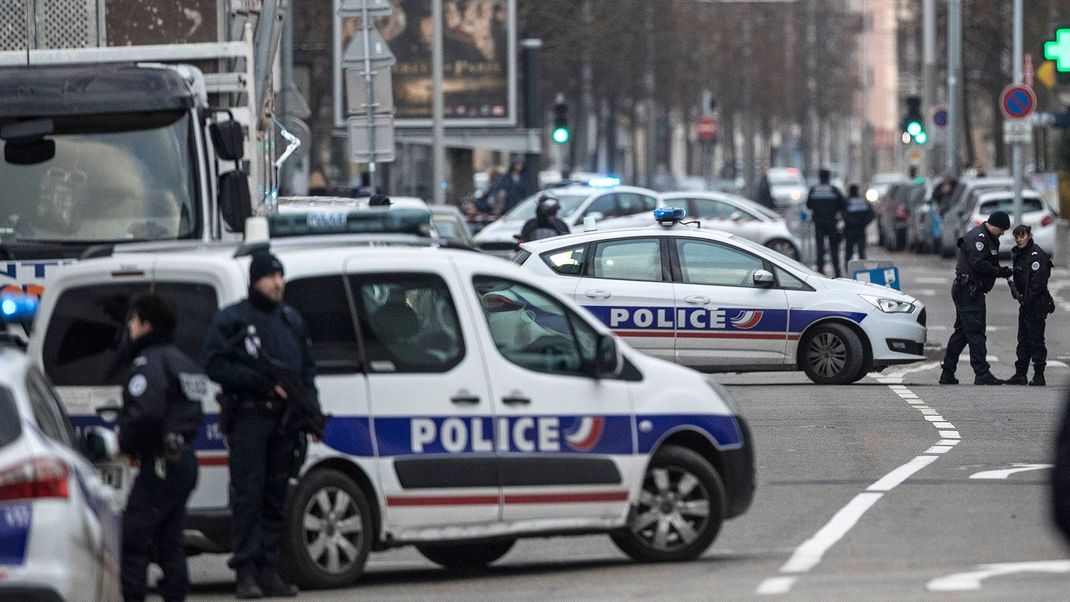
(112, 475)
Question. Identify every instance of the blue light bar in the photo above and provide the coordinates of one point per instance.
(603, 182)
(17, 309)
(669, 214)
(360, 221)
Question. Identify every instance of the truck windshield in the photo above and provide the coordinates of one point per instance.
(113, 178)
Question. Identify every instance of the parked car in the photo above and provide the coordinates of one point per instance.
(920, 232)
(878, 186)
(959, 206)
(1035, 213)
(450, 223)
(787, 186)
(893, 214)
(743, 217)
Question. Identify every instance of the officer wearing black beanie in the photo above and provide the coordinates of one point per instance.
(975, 273)
(241, 341)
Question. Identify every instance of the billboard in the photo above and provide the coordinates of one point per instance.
(479, 61)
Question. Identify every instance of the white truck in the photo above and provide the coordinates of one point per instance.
(104, 145)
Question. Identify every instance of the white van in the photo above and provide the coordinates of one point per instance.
(469, 406)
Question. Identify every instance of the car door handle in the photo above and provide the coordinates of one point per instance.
(598, 294)
(514, 400)
(463, 399)
(697, 300)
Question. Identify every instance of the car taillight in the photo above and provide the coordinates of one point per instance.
(1046, 220)
(38, 478)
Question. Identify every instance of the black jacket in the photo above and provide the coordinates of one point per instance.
(825, 201)
(233, 359)
(858, 213)
(164, 393)
(541, 227)
(978, 257)
(1032, 268)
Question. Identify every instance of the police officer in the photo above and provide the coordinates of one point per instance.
(1031, 271)
(856, 217)
(545, 223)
(159, 419)
(975, 274)
(827, 205)
(238, 343)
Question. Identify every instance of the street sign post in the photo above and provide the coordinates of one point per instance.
(1017, 101)
(363, 136)
(369, 94)
(1017, 131)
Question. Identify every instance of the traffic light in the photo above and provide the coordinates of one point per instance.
(913, 124)
(561, 133)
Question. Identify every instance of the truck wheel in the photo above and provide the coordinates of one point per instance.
(329, 534)
(831, 354)
(466, 557)
(679, 511)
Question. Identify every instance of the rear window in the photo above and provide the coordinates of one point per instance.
(87, 326)
(10, 425)
(1028, 205)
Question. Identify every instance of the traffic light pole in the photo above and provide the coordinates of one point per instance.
(1016, 148)
(532, 108)
(954, 74)
(438, 133)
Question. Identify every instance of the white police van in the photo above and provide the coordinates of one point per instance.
(60, 525)
(717, 302)
(469, 406)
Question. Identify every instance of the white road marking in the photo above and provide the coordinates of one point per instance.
(810, 552)
(938, 327)
(931, 280)
(971, 581)
(1056, 364)
(776, 585)
(943, 425)
(948, 441)
(965, 358)
(937, 418)
(937, 449)
(927, 410)
(950, 435)
(924, 292)
(1006, 472)
(893, 479)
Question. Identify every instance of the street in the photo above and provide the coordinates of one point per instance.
(893, 488)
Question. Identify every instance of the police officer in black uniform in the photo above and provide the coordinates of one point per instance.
(827, 205)
(545, 224)
(239, 342)
(161, 413)
(1032, 268)
(975, 273)
(857, 215)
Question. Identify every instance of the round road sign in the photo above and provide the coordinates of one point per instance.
(940, 117)
(706, 129)
(1017, 101)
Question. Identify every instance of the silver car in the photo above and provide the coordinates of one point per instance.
(740, 216)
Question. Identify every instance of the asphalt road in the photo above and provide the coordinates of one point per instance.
(865, 492)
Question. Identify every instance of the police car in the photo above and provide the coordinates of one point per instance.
(609, 206)
(469, 405)
(722, 211)
(60, 525)
(717, 302)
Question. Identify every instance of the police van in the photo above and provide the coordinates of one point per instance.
(468, 405)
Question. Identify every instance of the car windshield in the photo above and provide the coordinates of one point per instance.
(785, 180)
(1029, 205)
(10, 425)
(526, 209)
(113, 178)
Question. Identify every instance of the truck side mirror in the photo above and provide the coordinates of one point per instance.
(228, 138)
(235, 202)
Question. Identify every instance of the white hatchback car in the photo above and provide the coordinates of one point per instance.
(60, 525)
(720, 303)
(1035, 214)
(740, 216)
(615, 207)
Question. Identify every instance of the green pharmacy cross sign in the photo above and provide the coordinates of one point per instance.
(1058, 50)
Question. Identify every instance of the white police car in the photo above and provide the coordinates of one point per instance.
(610, 207)
(469, 406)
(60, 525)
(720, 303)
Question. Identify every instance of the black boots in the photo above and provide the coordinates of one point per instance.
(948, 378)
(247, 588)
(1017, 379)
(1038, 379)
(273, 586)
(987, 379)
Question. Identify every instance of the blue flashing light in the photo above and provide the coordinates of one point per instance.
(604, 182)
(361, 221)
(669, 214)
(17, 309)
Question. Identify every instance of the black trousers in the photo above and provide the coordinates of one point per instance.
(856, 238)
(969, 330)
(1031, 323)
(828, 232)
(152, 527)
(260, 461)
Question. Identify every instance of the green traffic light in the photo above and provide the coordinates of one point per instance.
(914, 128)
(921, 137)
(560, 135)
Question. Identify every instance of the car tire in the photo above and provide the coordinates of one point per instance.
(678, 488)
(831, 354)
(784, 247)
(329, 534)
(466, 557)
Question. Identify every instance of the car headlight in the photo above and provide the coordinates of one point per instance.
(889, 306)
(796, 196)
(872, 195)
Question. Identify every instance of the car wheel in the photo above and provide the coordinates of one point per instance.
(831, 354)
(466, 557)
(679, 511)
(784, 247)
(329, 533)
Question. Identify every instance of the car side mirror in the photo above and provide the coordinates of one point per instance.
(100, 444)
(595, 215)
(228, 139)
(763, 278)
(736, 216)
(608, 362)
